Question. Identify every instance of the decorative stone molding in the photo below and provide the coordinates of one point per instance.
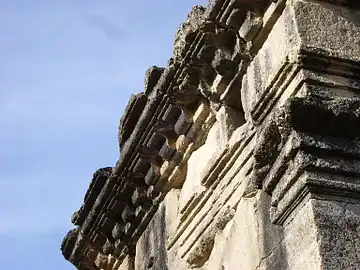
(257, 117)
(316, 156)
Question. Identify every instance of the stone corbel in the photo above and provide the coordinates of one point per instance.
(80, 250)
(105, 262)
(185, 97)
(129, 120)
(152, 77)
(151, 155)
(98, 181)
(166, 130)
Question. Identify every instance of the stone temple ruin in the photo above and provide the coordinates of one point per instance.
(243, 153)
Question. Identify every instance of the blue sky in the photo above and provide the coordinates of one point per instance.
(67, 70)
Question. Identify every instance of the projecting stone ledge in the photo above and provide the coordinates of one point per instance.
(243, 153)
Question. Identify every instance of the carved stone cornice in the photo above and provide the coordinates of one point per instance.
(309, 156)
(97, 183)
(161, 128)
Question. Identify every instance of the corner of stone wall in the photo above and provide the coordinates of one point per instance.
(245, 199)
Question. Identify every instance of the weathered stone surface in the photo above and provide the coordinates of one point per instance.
(152, 77)
(202, 251)
(127, 264)
(151, 248)
(253, 238)
(69, 242)
(244, 153)
(251, 26)
(300, 242)
(132, 113)
(338, 231)
(318, 35)
(187, 32)
(98, 181)
(281, 44)
(196, 164)
(229, 120)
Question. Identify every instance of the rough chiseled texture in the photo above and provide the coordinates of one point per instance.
(243, 153)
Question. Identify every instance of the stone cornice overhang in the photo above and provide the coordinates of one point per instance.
(111, 220)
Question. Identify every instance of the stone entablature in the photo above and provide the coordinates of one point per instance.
(237, 154)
